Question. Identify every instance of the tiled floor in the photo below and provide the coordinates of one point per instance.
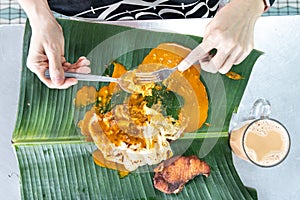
(12, 13)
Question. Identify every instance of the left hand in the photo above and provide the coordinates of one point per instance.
(231, 32)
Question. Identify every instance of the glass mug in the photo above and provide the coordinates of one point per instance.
(260, 140)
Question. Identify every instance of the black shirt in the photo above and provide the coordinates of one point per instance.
(135, 9)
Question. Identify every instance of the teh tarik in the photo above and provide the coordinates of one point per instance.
(265, 142)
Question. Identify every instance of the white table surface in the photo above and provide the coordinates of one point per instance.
(275, 76)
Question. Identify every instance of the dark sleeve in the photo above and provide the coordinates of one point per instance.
(69, 7)
(73, 7)
(135, 9)
(271, 2)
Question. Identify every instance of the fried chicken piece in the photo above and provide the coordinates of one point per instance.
(172, 174)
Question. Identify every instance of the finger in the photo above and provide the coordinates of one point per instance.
(81, 66)
(55, 65)
(205, 60)
(242, 57)
(227, 65)
(84, 70)
(216, 62)
(201, 51)
(67, 66)
(63, 60)
(247, 47)
(35, 62)
(40, 72)
(67, 83)
(208, 66)
(82, 58)
(81, 62)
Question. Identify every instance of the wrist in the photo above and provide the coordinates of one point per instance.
(38, 16)
(253, 7)
(38, 12)
(42, 21)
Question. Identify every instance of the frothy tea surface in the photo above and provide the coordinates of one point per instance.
(266, 142)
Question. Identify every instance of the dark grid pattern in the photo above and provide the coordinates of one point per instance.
(284, 7)
(12, 13)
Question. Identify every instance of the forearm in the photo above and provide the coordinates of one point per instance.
(38, 12)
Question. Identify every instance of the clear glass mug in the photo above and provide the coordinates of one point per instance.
(260, 139)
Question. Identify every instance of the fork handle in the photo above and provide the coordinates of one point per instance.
(85, 77)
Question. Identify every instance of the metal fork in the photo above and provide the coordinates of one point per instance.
(90, 77)
(162, 74)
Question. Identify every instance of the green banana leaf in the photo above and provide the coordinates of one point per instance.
(55, 161)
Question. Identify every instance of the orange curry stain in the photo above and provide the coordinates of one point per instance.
(85, 96)
(101, 161)
(112, 130)
(186, 84)
(119, 70)
(234, 76)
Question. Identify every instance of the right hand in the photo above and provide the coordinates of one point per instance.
(231, 33)
(47, 51)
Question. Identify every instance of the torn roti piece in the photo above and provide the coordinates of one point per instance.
(172, 174)
(118, 136)
(137, 129)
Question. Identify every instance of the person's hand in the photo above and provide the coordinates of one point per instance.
(47, 47)
(47, 51)
(231, 33)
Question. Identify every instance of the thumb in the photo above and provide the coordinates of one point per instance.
(55, 67)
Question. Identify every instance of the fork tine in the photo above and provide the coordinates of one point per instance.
(146, 74)
(156, 76)
(148, 77)
(147, 80)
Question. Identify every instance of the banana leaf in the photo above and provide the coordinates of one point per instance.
(54, 159)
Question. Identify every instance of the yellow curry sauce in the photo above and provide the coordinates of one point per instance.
(87, 95)
(186, 84)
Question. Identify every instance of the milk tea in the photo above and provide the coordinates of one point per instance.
(265, 142)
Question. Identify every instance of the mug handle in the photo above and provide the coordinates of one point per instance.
(261, 109)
